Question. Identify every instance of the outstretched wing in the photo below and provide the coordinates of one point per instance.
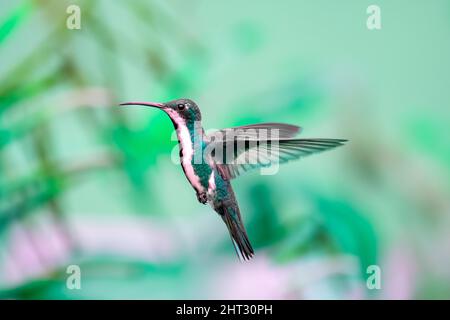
(267, 130)
(233, 157)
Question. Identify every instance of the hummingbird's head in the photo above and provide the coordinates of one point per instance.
(179, 110)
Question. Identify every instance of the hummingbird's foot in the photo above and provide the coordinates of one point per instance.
(202, 197)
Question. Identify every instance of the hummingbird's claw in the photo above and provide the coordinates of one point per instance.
(202, 197)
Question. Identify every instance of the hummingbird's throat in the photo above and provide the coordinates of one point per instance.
(189, 137)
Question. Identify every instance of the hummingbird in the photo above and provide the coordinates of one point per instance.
(211, 161)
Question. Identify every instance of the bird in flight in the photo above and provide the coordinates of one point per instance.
(211, 161)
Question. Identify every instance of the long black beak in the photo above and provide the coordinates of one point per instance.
(148, 104)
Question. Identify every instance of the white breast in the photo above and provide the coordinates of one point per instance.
(212, 184)
(187, 148)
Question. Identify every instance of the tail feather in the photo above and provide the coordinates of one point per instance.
(233, 221)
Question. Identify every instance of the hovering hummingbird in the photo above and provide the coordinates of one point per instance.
(210, 173)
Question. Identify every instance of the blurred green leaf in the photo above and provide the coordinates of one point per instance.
(350, 230)
(15, 19)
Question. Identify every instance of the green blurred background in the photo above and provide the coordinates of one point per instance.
(84, 182)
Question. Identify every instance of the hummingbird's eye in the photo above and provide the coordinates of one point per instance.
(181, 106)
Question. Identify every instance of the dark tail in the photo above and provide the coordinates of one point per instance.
(232, 218)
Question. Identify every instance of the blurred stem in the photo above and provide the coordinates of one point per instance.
(40, 141)
(29, 90)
